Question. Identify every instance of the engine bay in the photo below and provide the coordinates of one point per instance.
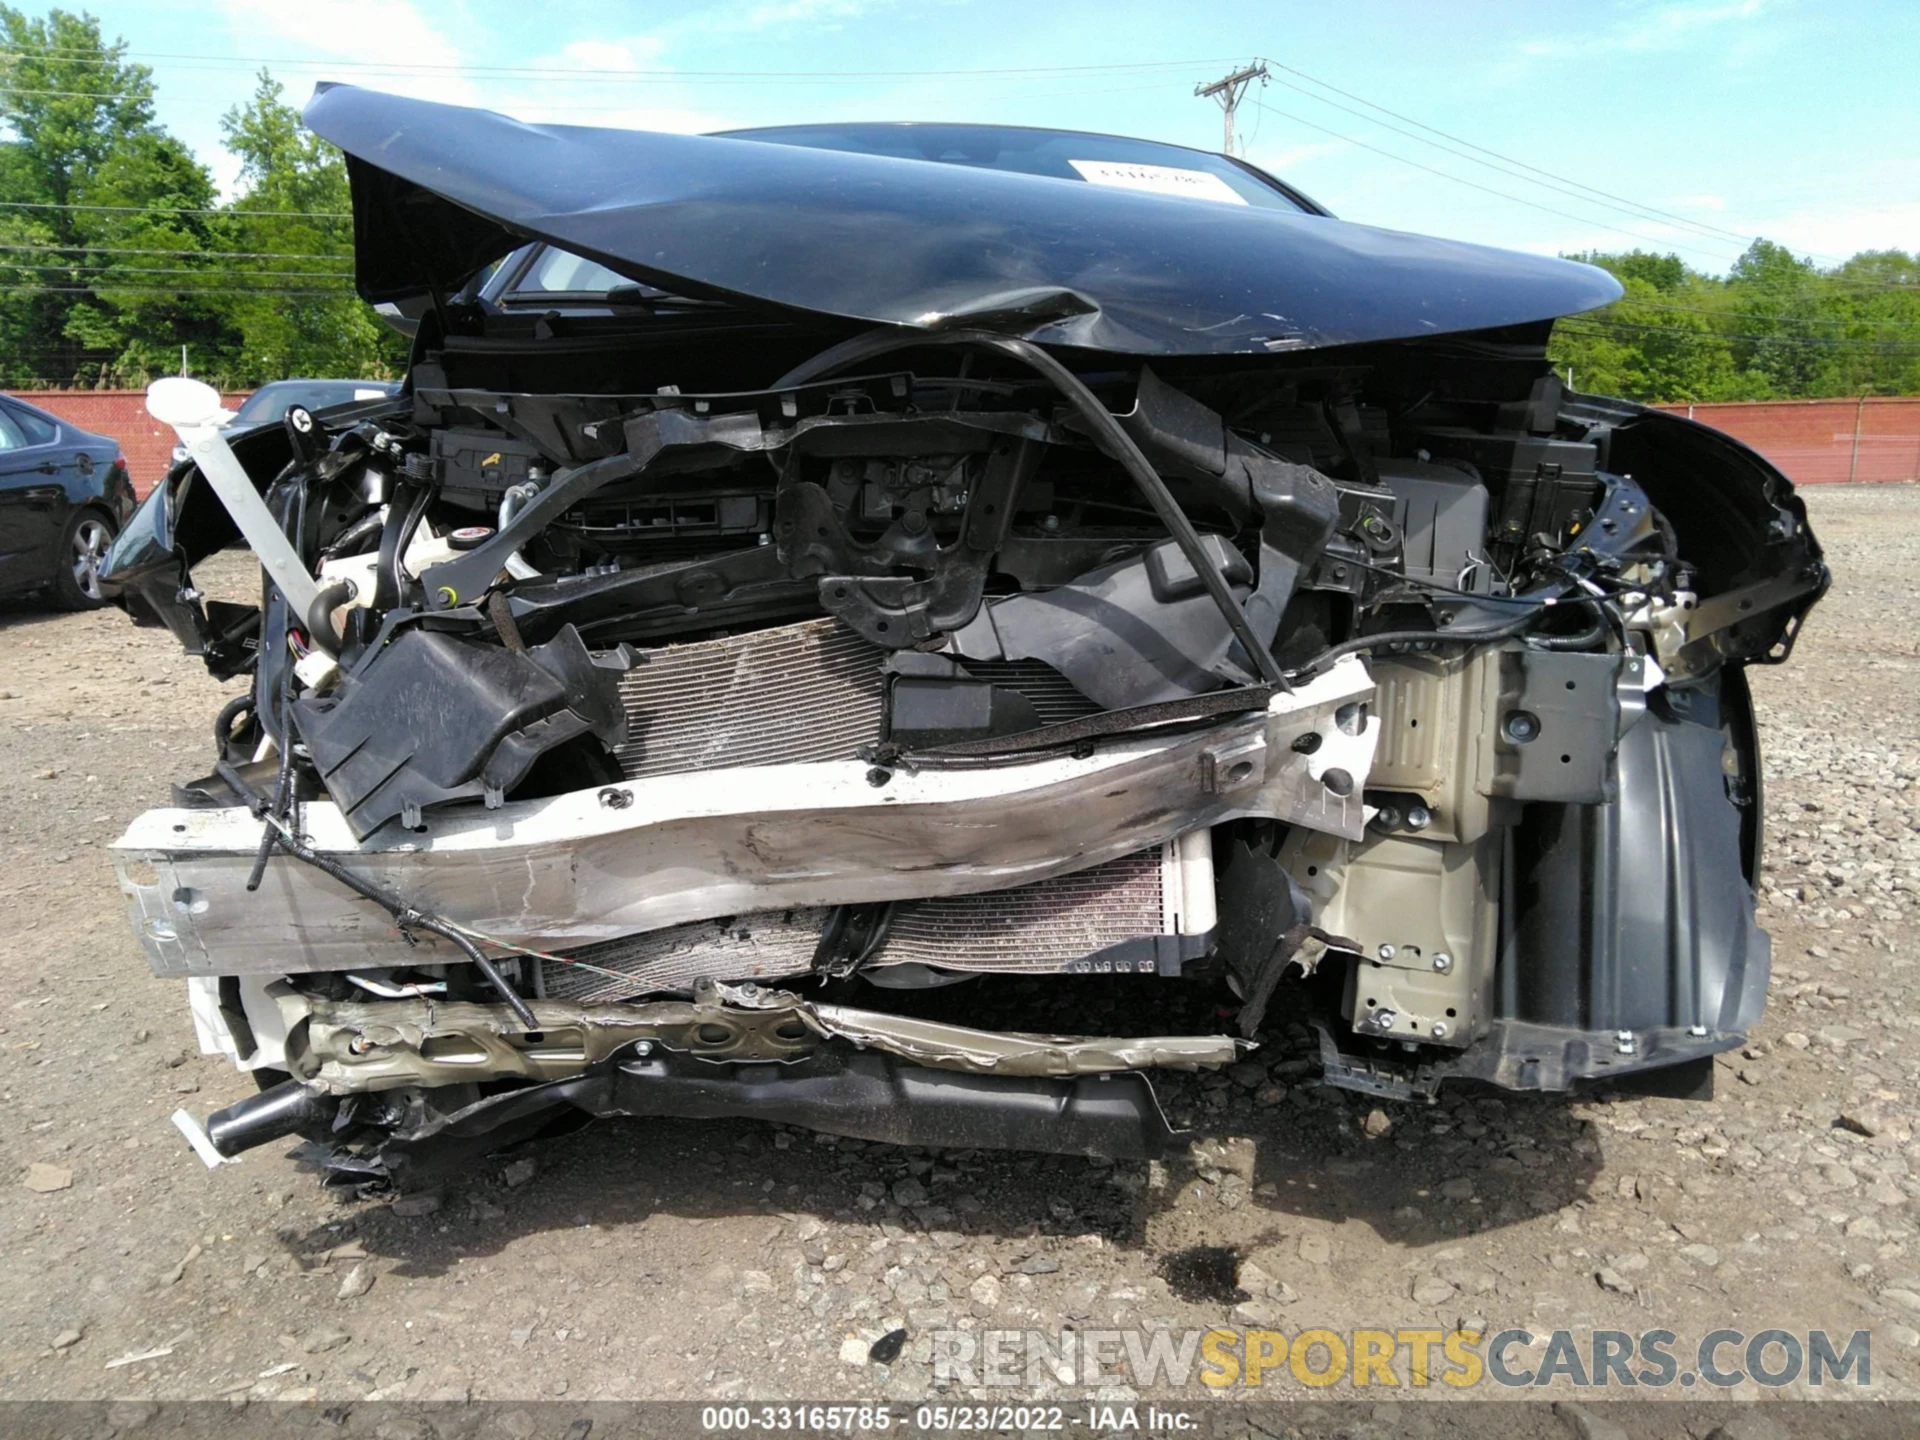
(711, 723)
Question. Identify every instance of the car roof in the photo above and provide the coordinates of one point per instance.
(325, 380)
(67, 427)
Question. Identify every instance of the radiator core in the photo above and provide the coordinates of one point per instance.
(1144, 913)
(815, 691)
(784, 695)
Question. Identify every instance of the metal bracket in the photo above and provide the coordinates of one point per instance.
(230, 481)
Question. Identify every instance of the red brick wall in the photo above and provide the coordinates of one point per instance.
(1815, 441)
(122, 414)
(1820, 442)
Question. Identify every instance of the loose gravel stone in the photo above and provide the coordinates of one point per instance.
(357, 1282)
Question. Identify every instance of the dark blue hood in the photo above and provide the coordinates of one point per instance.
(440, 190)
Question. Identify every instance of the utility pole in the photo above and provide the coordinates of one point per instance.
(1228, 90)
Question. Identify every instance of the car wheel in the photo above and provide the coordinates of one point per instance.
(76, 583)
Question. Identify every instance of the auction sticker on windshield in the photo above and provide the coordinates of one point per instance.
(1161, 179)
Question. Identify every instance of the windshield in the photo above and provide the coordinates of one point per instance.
(1057, 154)
(271, 402)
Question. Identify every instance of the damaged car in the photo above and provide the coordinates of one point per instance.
(909, 630)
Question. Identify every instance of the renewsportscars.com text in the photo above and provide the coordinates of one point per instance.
(1363, 1358)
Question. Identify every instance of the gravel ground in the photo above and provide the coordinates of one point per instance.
(667, 1259)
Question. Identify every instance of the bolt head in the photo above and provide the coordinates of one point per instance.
(1442, 962)
(1387, 952)
(1384, 1019)
(1440, 1031)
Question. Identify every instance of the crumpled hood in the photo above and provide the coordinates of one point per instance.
(440, 190)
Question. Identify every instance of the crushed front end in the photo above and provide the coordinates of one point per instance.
(731, 709)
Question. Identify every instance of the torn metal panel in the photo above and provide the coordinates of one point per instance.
(664, 850)
(839, 1091)
(1420, 920)
(361, 1046)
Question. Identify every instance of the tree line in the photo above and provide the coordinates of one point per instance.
(1775, 327)
(116, 251)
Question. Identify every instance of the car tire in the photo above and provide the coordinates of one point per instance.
(83, 548)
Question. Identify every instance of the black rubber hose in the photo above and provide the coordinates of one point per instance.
(404, 510)
(1107, 434)
(367, 527)
(283, 786)
(404, 914)
(1362, 643)
(1580, 640)
(326, 600)
(286, 1109)
(223, 722)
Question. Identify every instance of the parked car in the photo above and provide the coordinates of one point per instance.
(64, 494)
(834, 609)
(266, 405)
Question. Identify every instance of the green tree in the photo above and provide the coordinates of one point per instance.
(295, 207)
(1775, 327)
(1658, 342)
(153, 285)
(72, 105)
(1777, 307)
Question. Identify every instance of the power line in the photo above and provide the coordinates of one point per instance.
(1577, 324)
(216, 254)
(1228, 90)
(1572, 189)
(1497, 155)
(178, 210)
(1777, 319)
(1648, 211)
(75, 55)
(1664, 243)
(181, 270)
(124, 96)
(177, 290)
(1474, 184)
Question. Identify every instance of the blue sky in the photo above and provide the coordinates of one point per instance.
(1705, 121)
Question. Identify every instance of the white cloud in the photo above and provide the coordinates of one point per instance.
(375, 32)
(1824, 234)
(775, 13)
(1663, 27)
(1847, 229)
(1650, 27)
(1277, 160)
(1708, 255)
(599, 97)
(635, 52)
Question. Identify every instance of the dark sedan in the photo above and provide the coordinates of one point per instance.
(64, 494)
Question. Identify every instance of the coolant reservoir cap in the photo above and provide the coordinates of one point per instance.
(470, 537)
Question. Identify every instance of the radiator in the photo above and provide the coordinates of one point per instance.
(1146, 913)
(815, 691)
(792, 693)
